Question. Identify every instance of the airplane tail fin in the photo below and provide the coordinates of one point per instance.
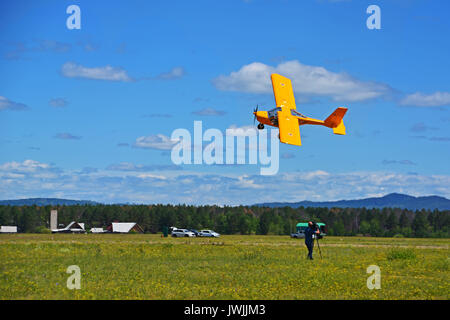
(335, 121)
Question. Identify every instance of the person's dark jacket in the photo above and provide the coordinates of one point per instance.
(309, 235)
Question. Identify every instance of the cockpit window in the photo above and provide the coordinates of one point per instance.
(273, 113)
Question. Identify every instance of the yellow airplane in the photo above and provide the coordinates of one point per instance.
(288, 120)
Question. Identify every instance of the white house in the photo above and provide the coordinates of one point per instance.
(124, 227)
(8, 229)
(73, 227)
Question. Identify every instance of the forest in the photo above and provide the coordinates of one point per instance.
(386, 222)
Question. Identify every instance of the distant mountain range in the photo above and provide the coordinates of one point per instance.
(393, 200)
(45, 202)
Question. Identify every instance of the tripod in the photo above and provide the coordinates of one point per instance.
(318, 246)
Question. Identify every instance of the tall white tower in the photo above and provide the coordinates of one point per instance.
(53, 220)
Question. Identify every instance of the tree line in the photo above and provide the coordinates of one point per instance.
(386, 222)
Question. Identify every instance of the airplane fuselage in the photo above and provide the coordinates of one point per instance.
(270, 118)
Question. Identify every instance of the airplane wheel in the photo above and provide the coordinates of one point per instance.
(260, 126)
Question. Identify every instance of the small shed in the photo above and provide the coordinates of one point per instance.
(8, 229)
(124, 227)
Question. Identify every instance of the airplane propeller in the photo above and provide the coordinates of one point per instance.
(254, 113)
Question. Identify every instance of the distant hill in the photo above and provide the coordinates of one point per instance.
(45, 202)
(393, 200)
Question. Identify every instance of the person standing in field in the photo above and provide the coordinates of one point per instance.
(309, 240)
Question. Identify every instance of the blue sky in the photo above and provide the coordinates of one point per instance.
(76, 105)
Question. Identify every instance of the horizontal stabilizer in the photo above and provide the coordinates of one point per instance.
(340, 129)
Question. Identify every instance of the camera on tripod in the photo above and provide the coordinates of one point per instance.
(316, 227)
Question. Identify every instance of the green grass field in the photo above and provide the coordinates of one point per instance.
(232, 267)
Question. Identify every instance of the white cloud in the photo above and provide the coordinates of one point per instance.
(402, 162)
(26, 166)
(175, 73)
(306, 81)
(131, 167)
(32, 178)
(418, 99)
(73, 70)
(318, 174)
(433, 138)
(55, 46)
(209, 112)
(58, 102)
(6, 104)
(421, 127)
(158, 141)
(123, 144)
(152, 176)
(245, 182)
(287, 155)
(157, 115)
(66, 136)
(18, 50)
(245, 131)
(124, 166)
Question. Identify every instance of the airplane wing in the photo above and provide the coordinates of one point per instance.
(282, 89)
(289, 129)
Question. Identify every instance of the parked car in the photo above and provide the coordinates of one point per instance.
(194, 231)
(172, 228)
(208, 233)
(182, 233)
(298, 235)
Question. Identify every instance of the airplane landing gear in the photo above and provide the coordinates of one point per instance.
(260, 126)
